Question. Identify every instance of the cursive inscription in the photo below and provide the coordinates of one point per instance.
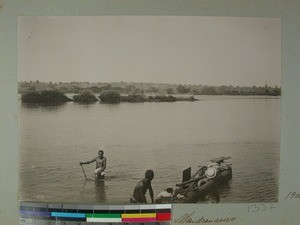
(190, 218)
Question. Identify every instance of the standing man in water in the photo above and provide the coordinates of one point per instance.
(141, 188)
(100, 164)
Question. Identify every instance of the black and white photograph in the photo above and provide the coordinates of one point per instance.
(149, 109)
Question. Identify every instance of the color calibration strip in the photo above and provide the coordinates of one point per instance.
(96, 213)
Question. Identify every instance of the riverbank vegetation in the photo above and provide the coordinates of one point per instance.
(115, 97)
(143, 88)
(45, 97)
(86, 97)
(50, 97)
(52, 93)
(156, 98)
(110, 97)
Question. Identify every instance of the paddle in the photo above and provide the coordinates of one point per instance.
(83, 171)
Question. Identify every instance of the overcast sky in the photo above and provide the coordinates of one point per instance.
(160, 49)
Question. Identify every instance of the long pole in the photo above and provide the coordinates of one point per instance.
(83, 172)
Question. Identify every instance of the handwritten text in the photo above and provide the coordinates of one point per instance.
(190, 218)
(260, 207)
(292, 195)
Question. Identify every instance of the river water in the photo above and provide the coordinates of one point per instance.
(165, 137)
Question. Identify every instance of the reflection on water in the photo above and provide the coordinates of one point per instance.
(165, 137)
(95, 188)
(100, 191)
(85, 105)
(44, 106)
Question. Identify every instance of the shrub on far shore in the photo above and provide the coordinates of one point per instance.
(85, 97)
(189, 99)
(162, 98)
(133, 98)
(110, 97)
(45, 97)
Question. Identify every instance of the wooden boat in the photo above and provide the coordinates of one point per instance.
(207, 178)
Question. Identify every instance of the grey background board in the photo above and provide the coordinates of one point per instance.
(285, 211)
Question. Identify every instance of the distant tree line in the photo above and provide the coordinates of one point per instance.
(143, 88)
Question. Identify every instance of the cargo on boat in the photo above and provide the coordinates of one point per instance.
(207, 178)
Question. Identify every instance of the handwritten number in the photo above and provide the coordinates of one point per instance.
(256, 208)
(271, 207)
(292, 195)
(288, 195)
(262, 207)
